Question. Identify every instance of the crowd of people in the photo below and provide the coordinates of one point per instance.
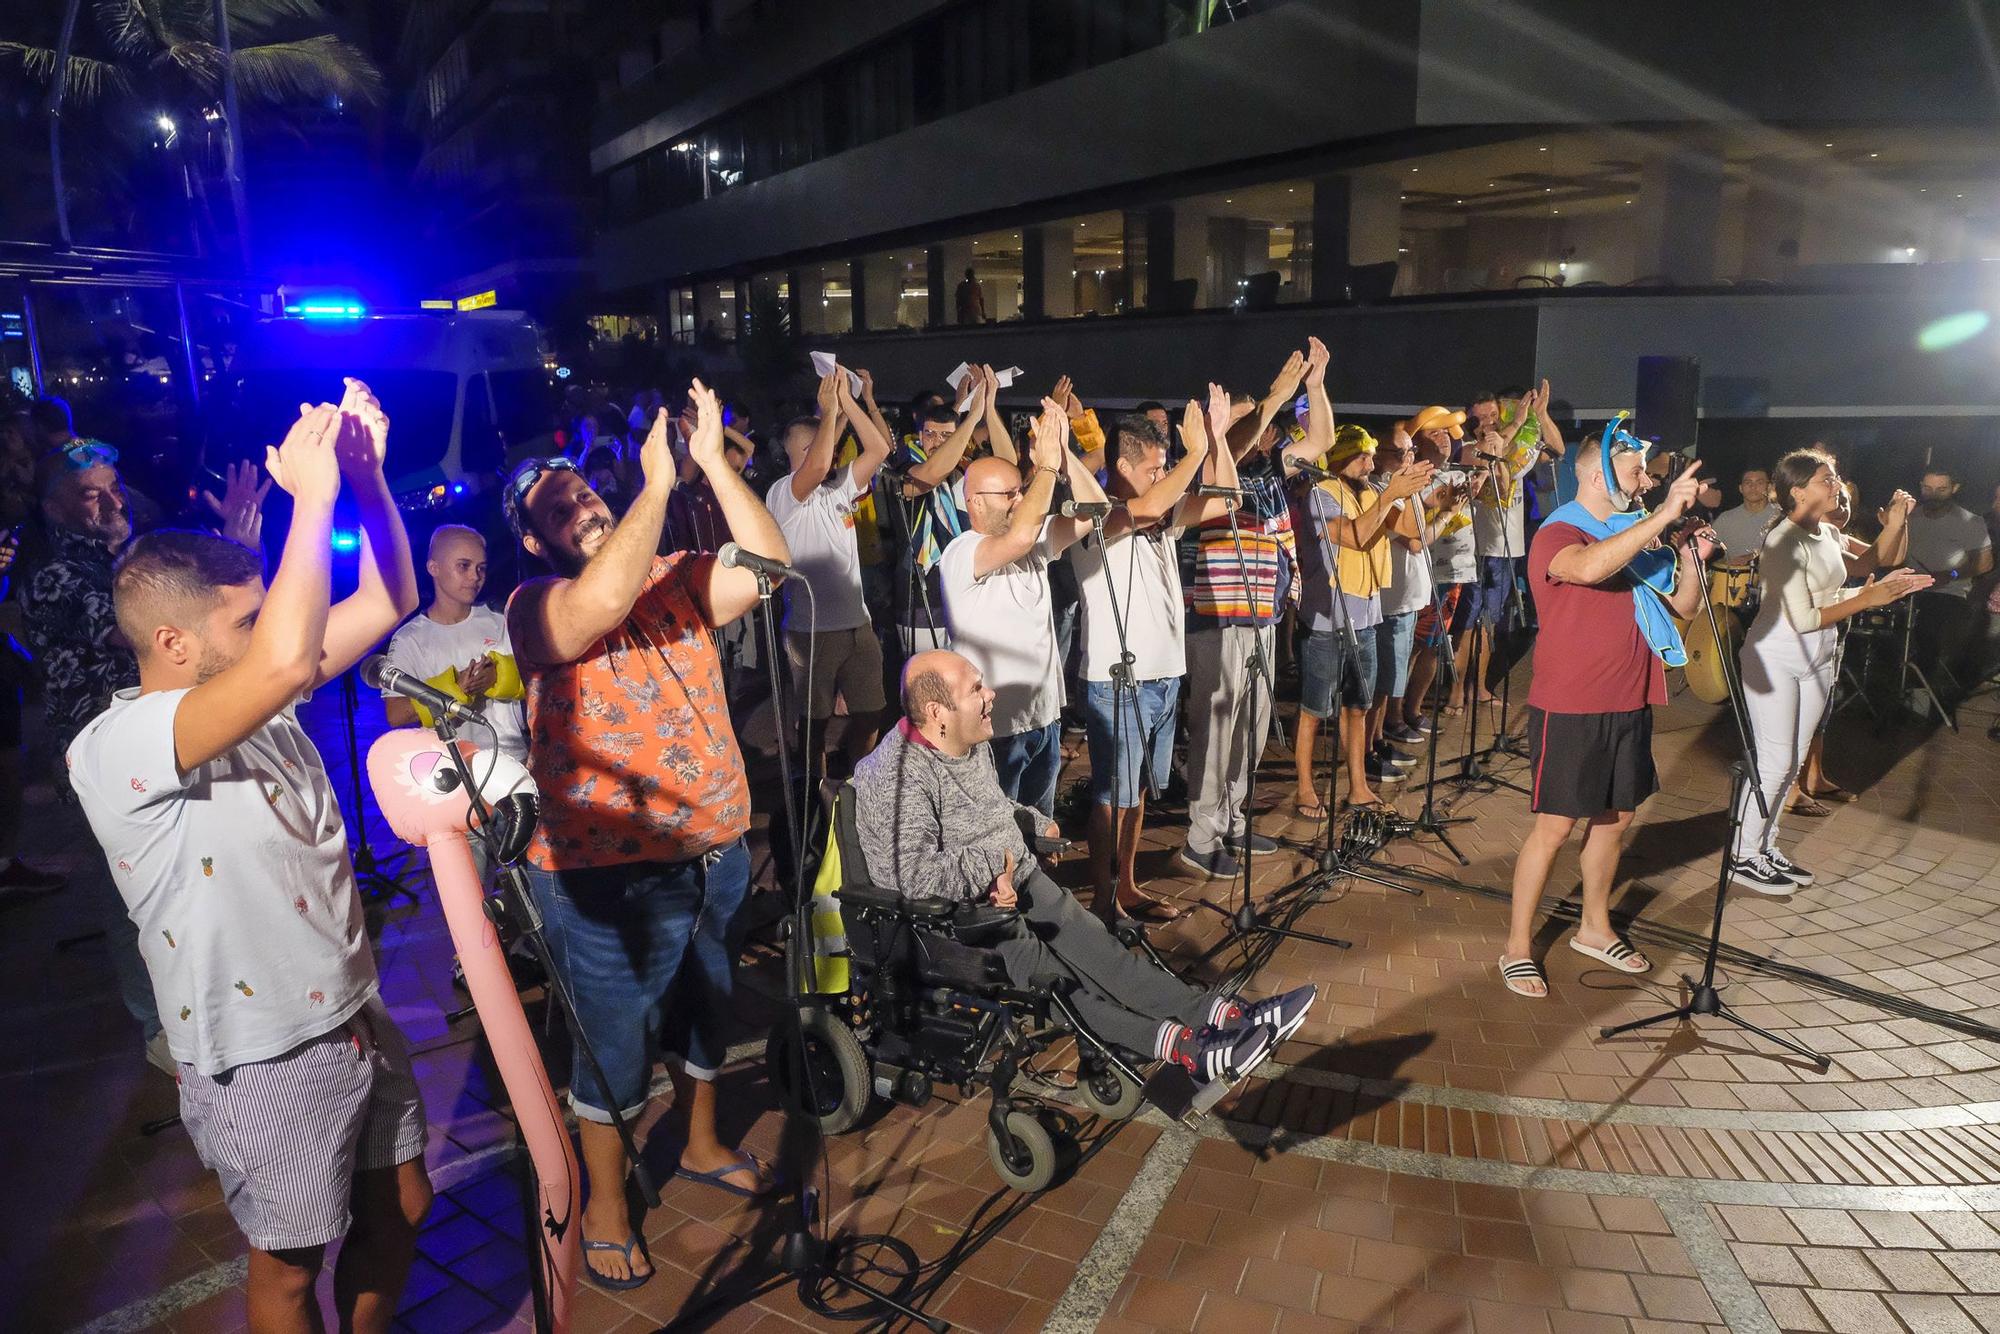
(967, 594)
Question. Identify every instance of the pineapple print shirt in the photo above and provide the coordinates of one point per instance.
(238, 878)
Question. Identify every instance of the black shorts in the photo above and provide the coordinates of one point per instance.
(1585, 764)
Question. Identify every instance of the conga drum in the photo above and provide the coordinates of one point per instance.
(1706, 660)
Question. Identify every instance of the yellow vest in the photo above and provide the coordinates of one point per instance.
(1362, 573)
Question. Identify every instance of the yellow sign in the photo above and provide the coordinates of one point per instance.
(478, 300)
(437, 305)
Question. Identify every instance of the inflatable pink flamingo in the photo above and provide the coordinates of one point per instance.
(419, 793)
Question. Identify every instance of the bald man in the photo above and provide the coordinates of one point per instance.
(997, 601)
(933, 823)
(460, 646)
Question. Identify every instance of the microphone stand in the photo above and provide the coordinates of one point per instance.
(1470, 770)
(514, 905)
(1428, 821)
(804, 1254)
(370, 873)
(1703, 996)
(1122, 685)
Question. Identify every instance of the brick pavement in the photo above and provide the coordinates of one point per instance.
(1428, 1153)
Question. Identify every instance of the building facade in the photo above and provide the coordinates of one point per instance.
(1455, 193)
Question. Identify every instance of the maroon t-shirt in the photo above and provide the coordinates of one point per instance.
(1589, 656)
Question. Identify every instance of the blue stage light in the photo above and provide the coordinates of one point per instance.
(329, 306)
(458, 488)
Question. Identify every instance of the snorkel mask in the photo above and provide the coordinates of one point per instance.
(1617, 440)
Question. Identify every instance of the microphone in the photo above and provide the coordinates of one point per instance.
(379, 675)
(1088, 509)
(1300, 468)
(736, 558)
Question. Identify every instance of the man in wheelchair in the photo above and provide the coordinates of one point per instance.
(933, 822)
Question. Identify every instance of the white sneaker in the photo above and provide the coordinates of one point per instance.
(1799, 874)
(1759, 874)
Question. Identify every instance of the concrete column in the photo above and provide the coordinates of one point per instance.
(939, 290)
(1374, 218)
(1331, 198)
(1159, 255)
(881, 280)
(1190, 255)
(1774, 212)
(857, 283)
(1680, 206)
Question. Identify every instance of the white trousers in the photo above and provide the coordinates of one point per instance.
(1787, 678)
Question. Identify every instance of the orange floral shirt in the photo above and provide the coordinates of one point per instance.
(630, 745)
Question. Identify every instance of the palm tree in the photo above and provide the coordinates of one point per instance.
(166, 61)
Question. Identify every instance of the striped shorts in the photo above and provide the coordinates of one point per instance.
(287, 1135)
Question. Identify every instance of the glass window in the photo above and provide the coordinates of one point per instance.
(896, 284)
(715, 306)
(681, 315)
(826, 299)
(1250, 246)
(770, 298)
(992, 291)
(1103, 285)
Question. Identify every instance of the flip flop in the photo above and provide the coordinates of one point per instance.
(1316, 811)
(745, 1162)
(1154, 912)
(1524, 970)
(629, 1250)
(1834, 793)
(1809, 806)
(1618, 954)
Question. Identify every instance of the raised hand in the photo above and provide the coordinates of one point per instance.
(10, 547)
(867, 387)
(1220, 411)
(656, 454)
(844, 395)
(241, 505)
(303, 464)
(1317, 360)
(1194, 430)
(1408, 480)
(1048, 437)
(829, 394)
(363, 443)
(705, 445)
(1286, 386)
(1681, 493)
(1897, 511)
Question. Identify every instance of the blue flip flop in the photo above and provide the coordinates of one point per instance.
(629, 1250)
(745, 1162)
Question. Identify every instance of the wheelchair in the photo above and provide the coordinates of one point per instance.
(910, 995)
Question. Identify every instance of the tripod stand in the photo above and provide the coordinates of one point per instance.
(1471, 770)
(370, 873)
(804, 1254)
(1703, 996)
(1428, 821)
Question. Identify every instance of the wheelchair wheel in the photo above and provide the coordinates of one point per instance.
(1107, 1092)
(1029, 1163)
(840, 1082)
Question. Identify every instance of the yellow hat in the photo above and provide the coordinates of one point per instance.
(1436, 418)
(1349, 440)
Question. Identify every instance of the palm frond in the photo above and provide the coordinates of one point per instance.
(255, 16)
(124, 25)
(87, 81)
(307, 69)
(199, 61)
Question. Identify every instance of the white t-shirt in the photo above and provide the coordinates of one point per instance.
(1409, 587)
(424, 647)
(1146, 570)
(1945, 543)
(237, 876)
(1005, 626)
(1742, 532)
(820, 532)
(1497, 532)
(1455, 557)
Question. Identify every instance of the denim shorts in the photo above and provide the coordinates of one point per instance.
(1393, 639)
(1496, 583)
(1326, 666)
(649, 952)
(1145, 734)
(1028, 764)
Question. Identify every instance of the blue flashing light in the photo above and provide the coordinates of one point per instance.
(346, 539)
(458, 488)
(327, 308)
(562, 372)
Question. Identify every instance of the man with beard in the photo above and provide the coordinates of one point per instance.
(1949, 543)
(638, 865)
(216, 810)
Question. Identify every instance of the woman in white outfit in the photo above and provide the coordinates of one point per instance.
(1788, 654)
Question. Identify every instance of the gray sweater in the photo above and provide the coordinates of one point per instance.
(932, 826)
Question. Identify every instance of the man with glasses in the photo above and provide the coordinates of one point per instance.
(638, 864)
(998, 602)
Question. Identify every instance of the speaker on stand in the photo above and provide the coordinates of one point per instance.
(1668, 403)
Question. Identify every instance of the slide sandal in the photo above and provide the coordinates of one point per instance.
(1618, 954)
(1521, 971)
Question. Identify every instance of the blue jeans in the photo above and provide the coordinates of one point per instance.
(620, 936)
(1393, 640)
(1327, 669)
(1028, 764)
(1145, 737)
